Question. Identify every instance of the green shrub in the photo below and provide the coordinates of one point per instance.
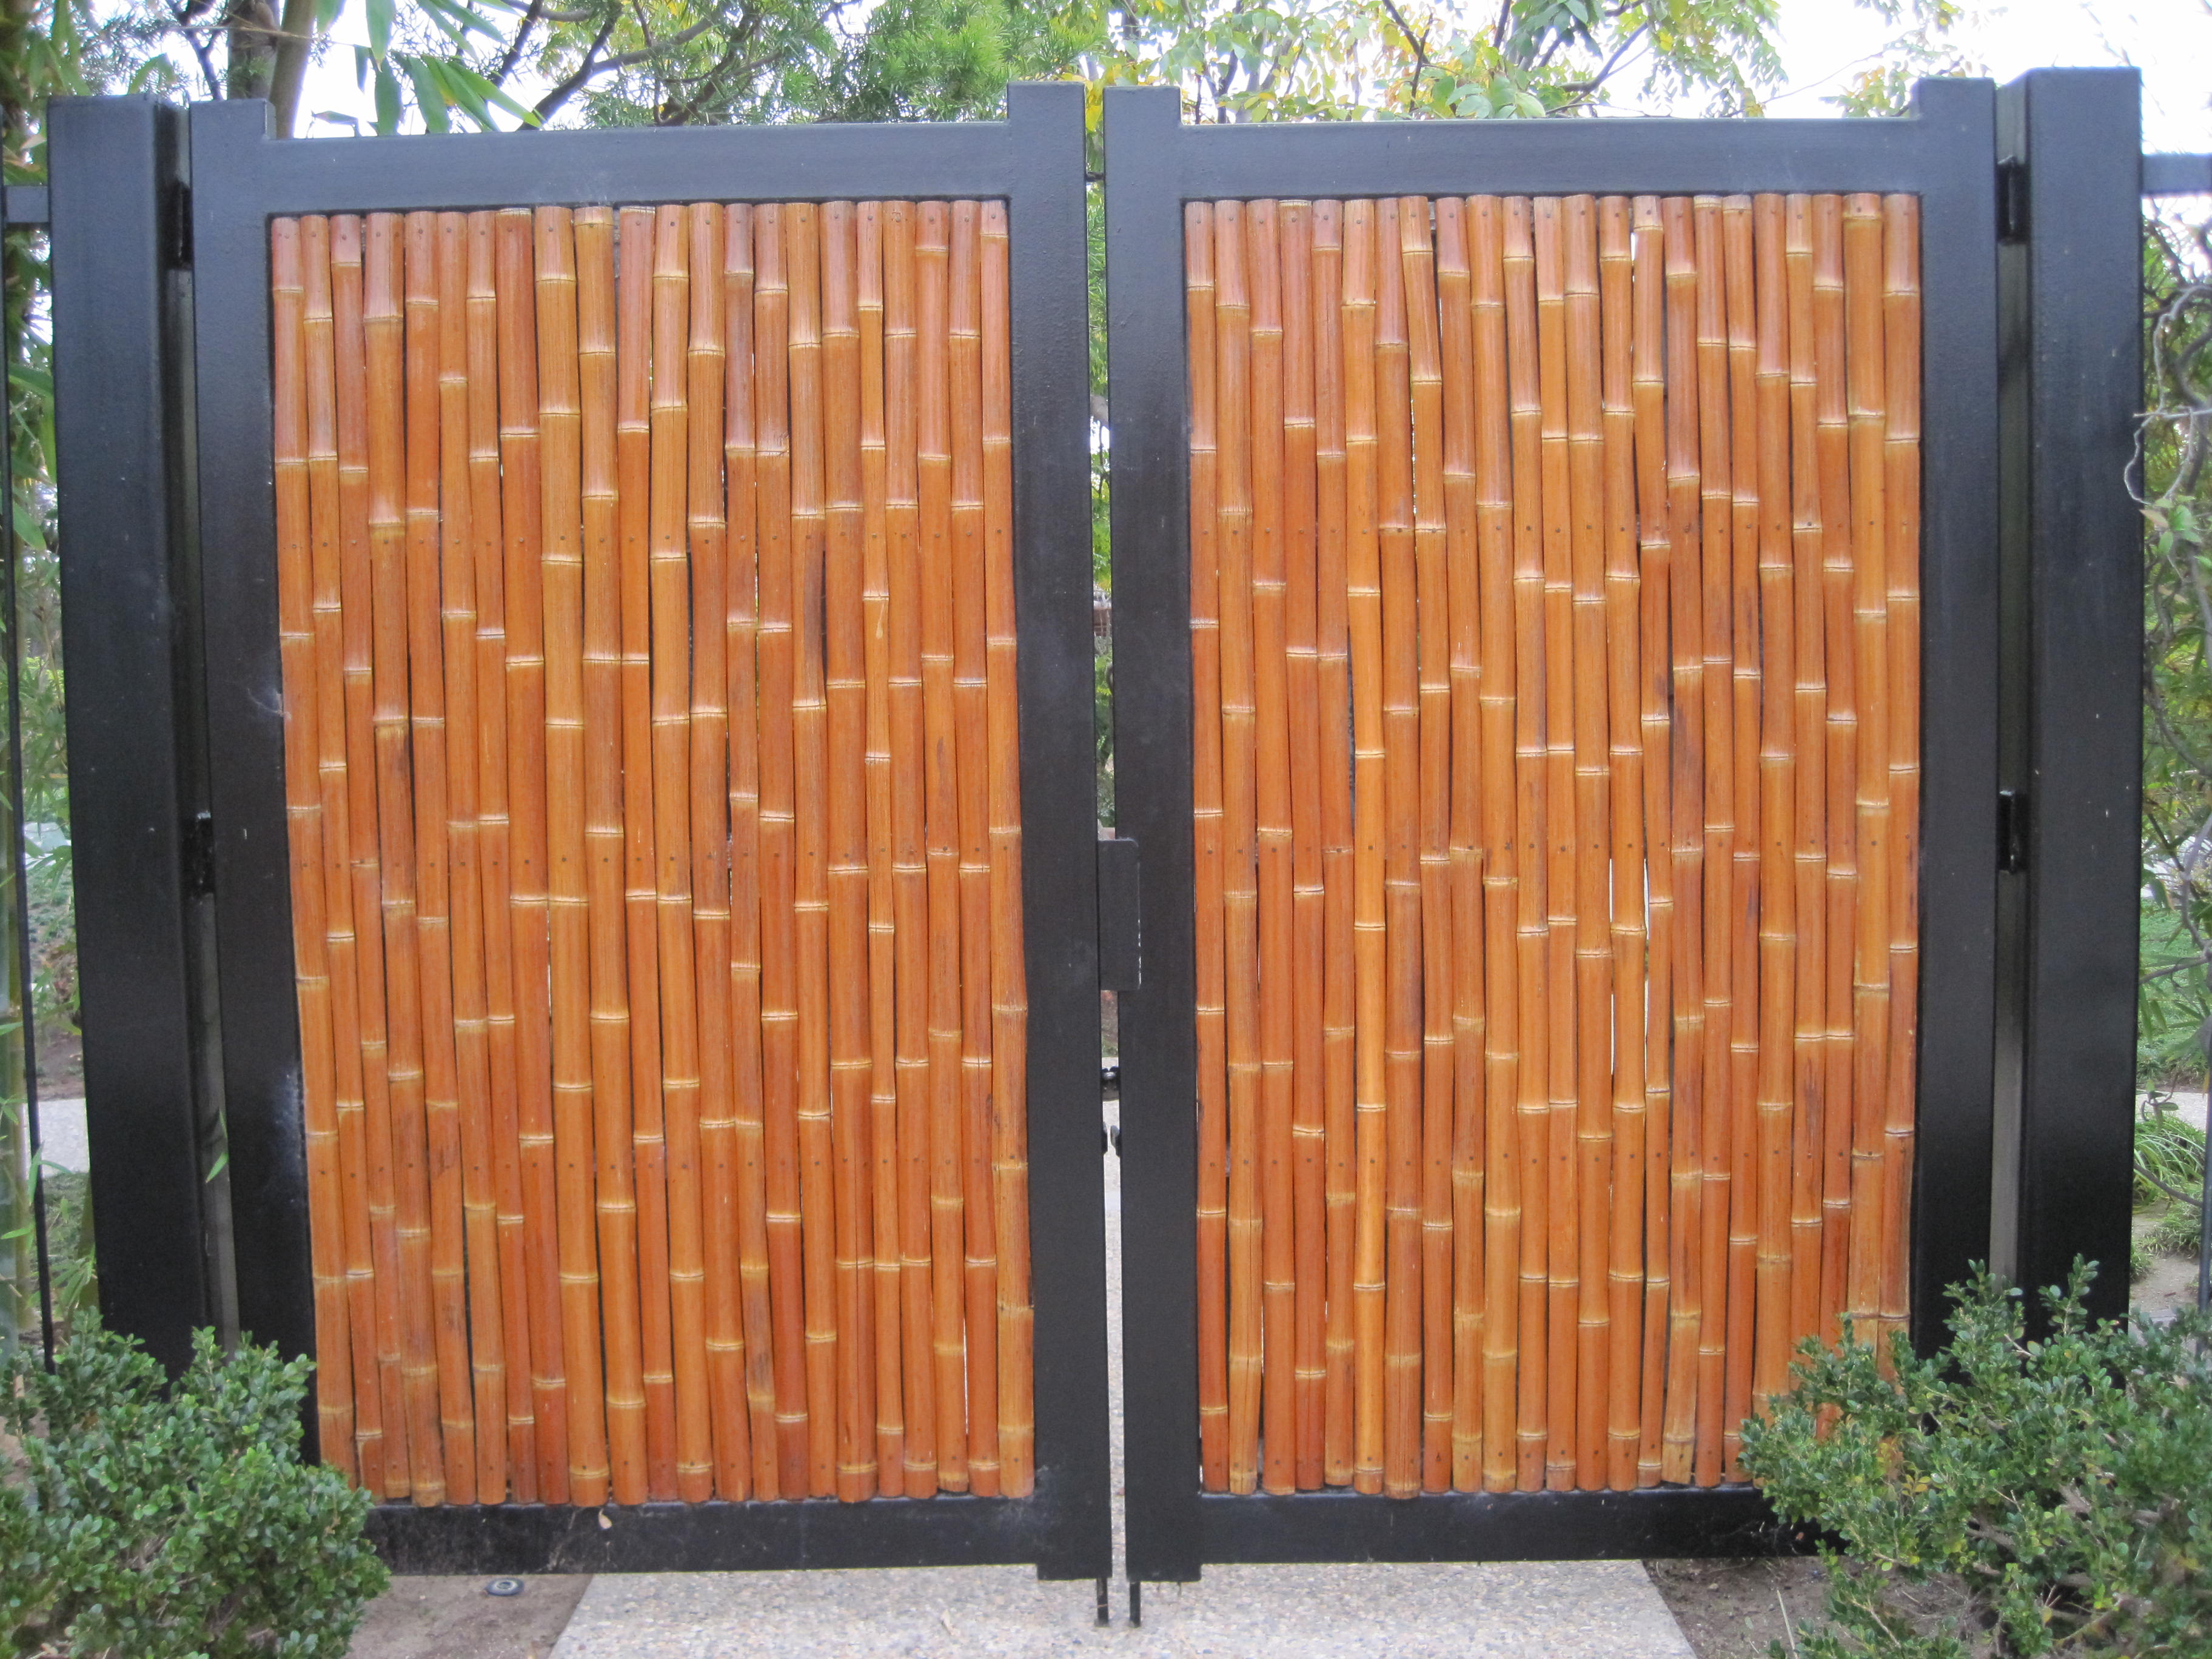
(2169, 1154)
(2176, 1232)
(2059, 1492)
(144, 1522)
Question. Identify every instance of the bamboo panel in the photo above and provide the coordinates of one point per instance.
(666, 1132)
(1554, 647)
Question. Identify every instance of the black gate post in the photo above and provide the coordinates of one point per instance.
(2070, 284)
(120, 397)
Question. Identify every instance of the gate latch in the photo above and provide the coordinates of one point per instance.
(1120, 917)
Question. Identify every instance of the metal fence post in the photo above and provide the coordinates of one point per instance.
(122, 440)
(2069, 292)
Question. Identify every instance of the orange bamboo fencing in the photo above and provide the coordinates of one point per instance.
(1554, 616)
(663, 1028)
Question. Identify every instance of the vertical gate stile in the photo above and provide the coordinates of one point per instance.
(121, 333)
(2070, 295)
(1625, 601)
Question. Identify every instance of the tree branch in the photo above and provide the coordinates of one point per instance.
(513, 55)
(1420, 46)
(566, 89)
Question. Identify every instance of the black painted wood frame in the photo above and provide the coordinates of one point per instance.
(1945, 151)
(141, 543)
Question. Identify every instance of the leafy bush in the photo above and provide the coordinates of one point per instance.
(2060, 1490)
(2169, 1154)
(145, 1521)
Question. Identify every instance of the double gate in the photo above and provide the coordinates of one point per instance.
(582, 742)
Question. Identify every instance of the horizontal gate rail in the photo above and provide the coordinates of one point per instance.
(239, 179)
(1943, 152)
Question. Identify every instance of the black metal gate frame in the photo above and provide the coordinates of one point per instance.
(161, 236)
(1945, 152)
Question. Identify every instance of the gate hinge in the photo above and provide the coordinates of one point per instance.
(2012, 831)
(1121, 919)
(2012, 200)
(178, 241)
(199, 855)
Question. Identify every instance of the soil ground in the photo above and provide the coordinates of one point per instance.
(455, 1619)
(1737, 1609)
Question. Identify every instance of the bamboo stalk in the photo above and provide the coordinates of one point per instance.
(1623, 1200)
(909, 875)
(433, 944)
(1308, 923)
(1686, 741)
(495, 843)
(1809, 706)
(1901, 493)
(941, 833)
(1501, 829)
(1868, 439)
(1009, 977)
(1716, 590)
(1364, 605)
(383, 326)
(846, 692)
(1590, 550)
(1777, 887)
(1211, 1013)
(779, 848)
(305, 829)
(971, 724)
(1832, 447)
(1562, 923)
(1460, 492)
(683, 1105)
(1532, 926)
(560, 422)
(719, 1144)
(810, 895)
(1401, 1028)
(330, 530)
(356, 584)
(740, 462)
(883, 1003)
(1745, 1005)
(1334, 655)
(641, 898)
(471, 1030)
(522, 513)
(1239, 831)
(1654, 554)
(599, 784)
(1438, 987)
(721, 1150)
(1275, 1149)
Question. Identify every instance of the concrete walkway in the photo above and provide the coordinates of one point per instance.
(1538, 1609)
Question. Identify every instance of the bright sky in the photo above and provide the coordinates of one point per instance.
(1823, 41)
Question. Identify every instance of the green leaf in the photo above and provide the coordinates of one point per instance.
(387, 100)
(379, 28)
(429, 96)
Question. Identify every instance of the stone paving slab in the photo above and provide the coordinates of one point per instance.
(1554, 1610)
